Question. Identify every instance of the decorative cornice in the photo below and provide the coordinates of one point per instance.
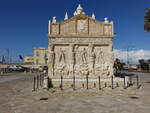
(80, 16)
(81, 36)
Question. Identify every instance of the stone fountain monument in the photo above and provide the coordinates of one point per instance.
(80, 46)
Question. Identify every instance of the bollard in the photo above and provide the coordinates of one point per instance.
(61, 86)
(112, 83)
(124, 82)
(87, 84)
(99, 79)
(34, 80)
(73, 82)
(137, 78)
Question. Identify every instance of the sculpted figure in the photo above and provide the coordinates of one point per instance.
(100, 58)
(62, 57)
(91, 56)
(76, 48)
(84, 56)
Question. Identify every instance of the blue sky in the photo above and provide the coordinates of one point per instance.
(23, 23)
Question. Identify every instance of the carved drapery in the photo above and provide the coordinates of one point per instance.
(91, 58)
(72, 59)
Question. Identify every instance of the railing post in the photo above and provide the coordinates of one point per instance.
(117, 85)
(94, 85)
(105, 84)
(99, 81)
(124, 82)
(87, 82)
(61, 82)
(47, 83)
(128, 84)
(82, 85)
(73, 82)
(37, 82)
(137, 78)
(43, 78)
(34, 80)
(112, 82)
(40, 80)
(130, 79)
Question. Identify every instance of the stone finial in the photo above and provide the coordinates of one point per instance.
(79, 7)
(54, 20)
(112, 22)
(93, 16)
(106, 20)
(49, 27)
(66, 16)
(75, 13)
(79, 10)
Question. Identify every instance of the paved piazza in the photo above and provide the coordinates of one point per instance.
(16, 96)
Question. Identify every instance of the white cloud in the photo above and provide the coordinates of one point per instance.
(133, 55)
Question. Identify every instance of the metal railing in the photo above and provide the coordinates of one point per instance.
(43, 81)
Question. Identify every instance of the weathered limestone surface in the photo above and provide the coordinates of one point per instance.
(80, 46)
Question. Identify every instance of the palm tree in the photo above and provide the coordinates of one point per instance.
(143, 64)
(147, 20)
(118, 65)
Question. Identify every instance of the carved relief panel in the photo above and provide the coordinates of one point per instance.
(81, 60)
(102, 61)
(61, 61)
(82, 26)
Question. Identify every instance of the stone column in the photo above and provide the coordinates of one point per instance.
(51, 60)
(72, 59)
(91, 59)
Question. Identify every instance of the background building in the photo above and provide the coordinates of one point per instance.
(29, 60)
(38, 59)
(40, 56)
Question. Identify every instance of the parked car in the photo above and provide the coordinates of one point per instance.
(18, 68)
